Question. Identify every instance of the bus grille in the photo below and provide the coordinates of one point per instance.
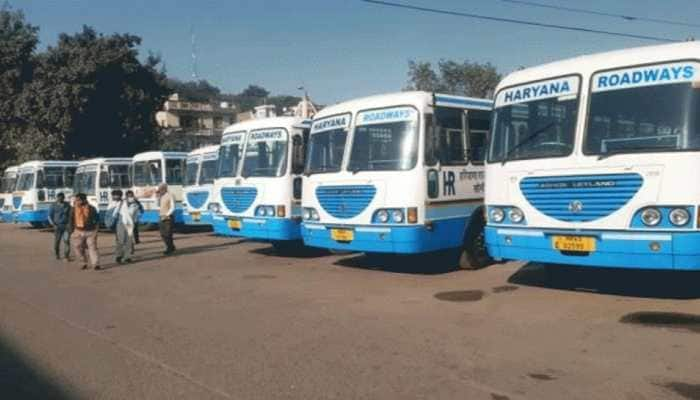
(580, 198)
(345, 201)
(197, 199)
(17, 202)
(238, 199)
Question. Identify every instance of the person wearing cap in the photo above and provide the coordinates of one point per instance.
(58, 218)
(83, 222)
(166, 208)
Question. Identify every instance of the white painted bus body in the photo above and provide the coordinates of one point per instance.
(38, 183)
(199, 180)
(414, 183)
(98, 177)
(260, 166)
(7, 186)
(149, 170)
(606, 176)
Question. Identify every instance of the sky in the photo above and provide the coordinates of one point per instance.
(341, 49)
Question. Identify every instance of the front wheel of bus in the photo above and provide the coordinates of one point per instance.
(474, 254)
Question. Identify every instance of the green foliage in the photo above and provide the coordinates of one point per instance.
(460, 78)
(200, 90)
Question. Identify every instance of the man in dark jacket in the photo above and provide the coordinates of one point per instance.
(58, 218)
(83, 223)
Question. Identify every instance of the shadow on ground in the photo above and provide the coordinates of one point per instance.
(621, 282)
(301, 252)
(158, 255)
(21, 378)
(420, 264)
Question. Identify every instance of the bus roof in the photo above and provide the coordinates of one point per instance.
(48, 163)
(588, 64)
(204, 150)
(150, 155)
(273, 122)
(415, 98)
(104, 160)
(12, 168)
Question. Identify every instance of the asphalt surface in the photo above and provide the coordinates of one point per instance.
(224, 319)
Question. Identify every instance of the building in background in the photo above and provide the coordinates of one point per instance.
(188, 125)
(305, 109)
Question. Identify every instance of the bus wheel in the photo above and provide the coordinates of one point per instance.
(474, 254)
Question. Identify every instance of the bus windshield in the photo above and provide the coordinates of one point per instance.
(115, 176)
(388, 146)
(25, 181)
(644, 119)
(229, 157)
(84, 181)
(191, 176)
(9, 180)
(326, 151)
(53, 178)
(148, 173)
(207, 173)
(266, 153)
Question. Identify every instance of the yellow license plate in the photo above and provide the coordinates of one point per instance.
(196, 216)
(342, 235)
(234, 224)
(574, 243)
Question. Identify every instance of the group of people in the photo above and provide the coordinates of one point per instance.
(79, 224)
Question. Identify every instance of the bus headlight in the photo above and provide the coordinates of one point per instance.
(397, 216)
(214, 207)
(497, 215)
(265, 211)
(310, 214)
(306, 214)
(651, 216)
(260, 211)
(516, 215)
(383, 216)
(679, 216)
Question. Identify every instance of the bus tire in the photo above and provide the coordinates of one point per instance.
(474, 254)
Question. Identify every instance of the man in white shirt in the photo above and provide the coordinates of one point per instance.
(166, 207)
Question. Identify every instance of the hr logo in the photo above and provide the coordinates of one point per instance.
(575, 206)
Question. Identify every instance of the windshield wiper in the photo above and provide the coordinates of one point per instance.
(609, 154)
(527, 140)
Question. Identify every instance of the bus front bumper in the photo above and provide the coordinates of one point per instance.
(35, 216)
(197, 218)
(264, 229)
(408, 239)
(7, 216)
(618, 249)
(153, 217)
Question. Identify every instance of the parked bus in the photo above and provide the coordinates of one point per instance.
(149, 170)
(199, 178)
(259, 180)
(38, 183)
(97, 177)
(7, 186)
(400, 174)
(592, 161)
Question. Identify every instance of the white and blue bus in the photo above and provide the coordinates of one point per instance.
(592, 161)
(7, 186)
(38, 183)
(259, 182)
(398, 174)
(150, 169)
(199, 180)
(97, 177)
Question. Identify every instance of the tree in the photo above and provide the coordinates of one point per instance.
(461, 78)
(18, 40)
(283, 101)
(250, 97)
(200, 90)
(91, 96)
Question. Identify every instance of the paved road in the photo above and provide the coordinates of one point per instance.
(231, 320)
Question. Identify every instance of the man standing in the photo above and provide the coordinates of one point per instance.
(166, 205)
(123, 214)
(83, 222)
(58, 218)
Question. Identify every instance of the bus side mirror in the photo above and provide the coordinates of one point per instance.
(433, 184)
(296, 188)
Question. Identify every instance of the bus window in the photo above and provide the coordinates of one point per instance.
(115, 176)
(25, 181)
(207, 172)
(192, 170)
(452, 137)
(174, 171)
(478, 125)
(50, 178)
(147, 173)
(298, 153)
(69, 175)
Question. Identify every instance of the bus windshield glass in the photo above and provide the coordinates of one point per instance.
(115, 176)
(266, 153)
(148, 173)
(207, 173)
(84, 181)
(654, 118)
(9, 180)
(192, 170)
(52, 178)
(327, 144)
(230, 154)
(385, 140)
(25, 181)
(535, 121)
